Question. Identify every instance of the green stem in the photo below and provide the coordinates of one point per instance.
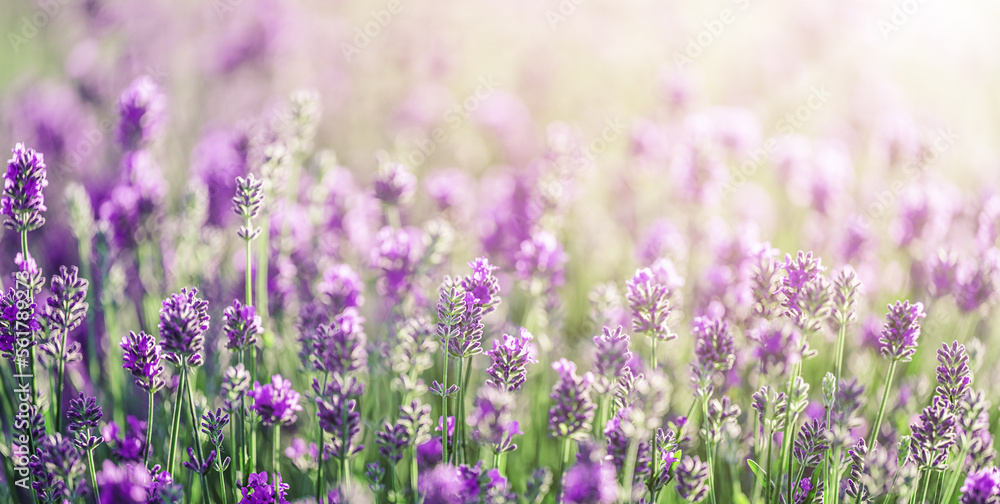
(195, 427)
(274, 461)
(876, 427)
(767, 483)
(841, 337)
(563, 462)
(57, 394)
(222, 480)
(956, 474)
(923, 486)
(633, 452)
(709, 452)
(31, 349)
(90, 468)
(444, 404)
(175, 424)
(232, 448)
(414, 476)
(92, 365)
(149, 431)
(319, 453)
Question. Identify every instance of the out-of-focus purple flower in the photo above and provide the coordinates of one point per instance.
(692, 479)
(341, 288)
(611, 355)
(901, 331)
(451, 189)
(275, 402)
(216, 161)
(442, 485)
(933, 435)
(136, 197)
(714, 348)
(429, 454)
(510, 359)
(650, 305)
(981, 487)
(976, 282)
(573, 410)
(23, 198)
(12, 320)
(662, 239)
(124, 484)
(395, 184)
(339, 347)
(953, 375)
(142, 108)
(142, 358)
(779, 345)
(942, 270)
(127, 445)
(235, 383)
(396, 256)
(242, 325)
(492, 419)
(846, 286)
(810, 444)
(247, 202)
(337, 410)
(392, 440)
(592, 480)
(542, 257)
(259, 491)
(799, 272)
(57, 470)
(183, 322)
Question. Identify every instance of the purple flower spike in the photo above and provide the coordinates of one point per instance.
(953, 374)
(340, 346)
(573, 410)
(83, 414)
(592, 480)
(66, 309)
(483, 284)
(276, 402)
(142, 359)
(58, 470)
(779, 345)
(981, 487)
(649, 301)
(125, 484)
(128, 445)
(23, 199)
(714, 348)
(442, 485)
(692, 479)
(611, 357)
(242, 325)
(259, 491)
(510, 360)
(977, 282)
(183, 322)
(541, 256)
(142, 108)
(341, 288)
(395, 184)
(12, 320)
(933, 435)
(396, 256)
(493, 420)
(901, 331)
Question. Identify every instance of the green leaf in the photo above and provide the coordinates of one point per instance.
(759, 472)
(739, 498)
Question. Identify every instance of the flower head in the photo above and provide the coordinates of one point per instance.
(126, 445)
(483, 285)
(981, 487)
(692, 479)
(714, 348)
(247, 203)
(57, 470)
(259, 491)
(275, 402)
(66, 308)
(901, 331)
(592, 480)
(953, 374)
(142, 358)
(23, 199)
(394, 184)
(933, 435)
(341, 288)
(611, 357)
(242, 325)
(84, 413)
(123, 484)
(572, 410)
(510, 359)
(340, 346)
(492, 419)
(183, 322)
(142, 108)
(649, 301)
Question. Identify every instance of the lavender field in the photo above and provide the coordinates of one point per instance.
(489, 252)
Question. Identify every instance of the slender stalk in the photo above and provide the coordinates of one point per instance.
(841, 337)
(149, 431)
(924, 485)
(710, 452)
(414, 476)
(767, 481)
(345, 478)
(877, 426)
(57, 394)
(222, 484)
(319, 453)
(93, 367)
(956, 474)
(31, 349)
(274, 461)
(232, 448)
(563, 462)
(194, 427)
(175, 424)
(444, 404)
(90, 469)
(633, 452)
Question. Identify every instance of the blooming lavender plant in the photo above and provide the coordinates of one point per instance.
(898, 343)
(510, 360)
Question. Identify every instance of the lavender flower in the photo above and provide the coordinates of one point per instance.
(810, 444)
(392, 440)
(57, 470)
(128, 445)
(799, 273)
(83, 414)
(125, 484)
(341, 288)
(142, 358)
(692, 479)
(721, 413)
(213, 424)
(845, 299)
(856, 487)
(23, 199)
(275, 402)
(340, 346)
(235, 383)
(483, 285)
(933, 435)
(259, 491)
(981, 487)
(611, 356)
(573, 410)
(247, 203)
(242, 325)
(779, 346)
(396, 256)
(649, 301)
(714, 348)
(510, 359)
(394, 184)
(541, 257)
(14, 309)
(591, 480)
(977, 282)
(492, 419)
(337, 409)
(901, 331)
(953, 374)
(415, 417)
(142, 108)
(183, 322)
(442, 485)
(65, 309)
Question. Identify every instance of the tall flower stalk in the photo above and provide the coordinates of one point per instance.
(142, 359)
(898, 343)
(247, 204)
(65, 310)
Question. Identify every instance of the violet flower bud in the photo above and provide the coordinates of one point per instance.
(183, 322)
(611, 356)
(83, 414)
(953, 374)
(573, 410)
(901, 331)
(692, 479)
(259, 491)
(981, 487)
(23, 199)
(715, 348)
(66, 308)
(933, 435)
(142, 358)
(142, 108)
(649, 301)
(242, 325)
(275, 402)
(510, 359)
(124, 484)
(592, 480)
